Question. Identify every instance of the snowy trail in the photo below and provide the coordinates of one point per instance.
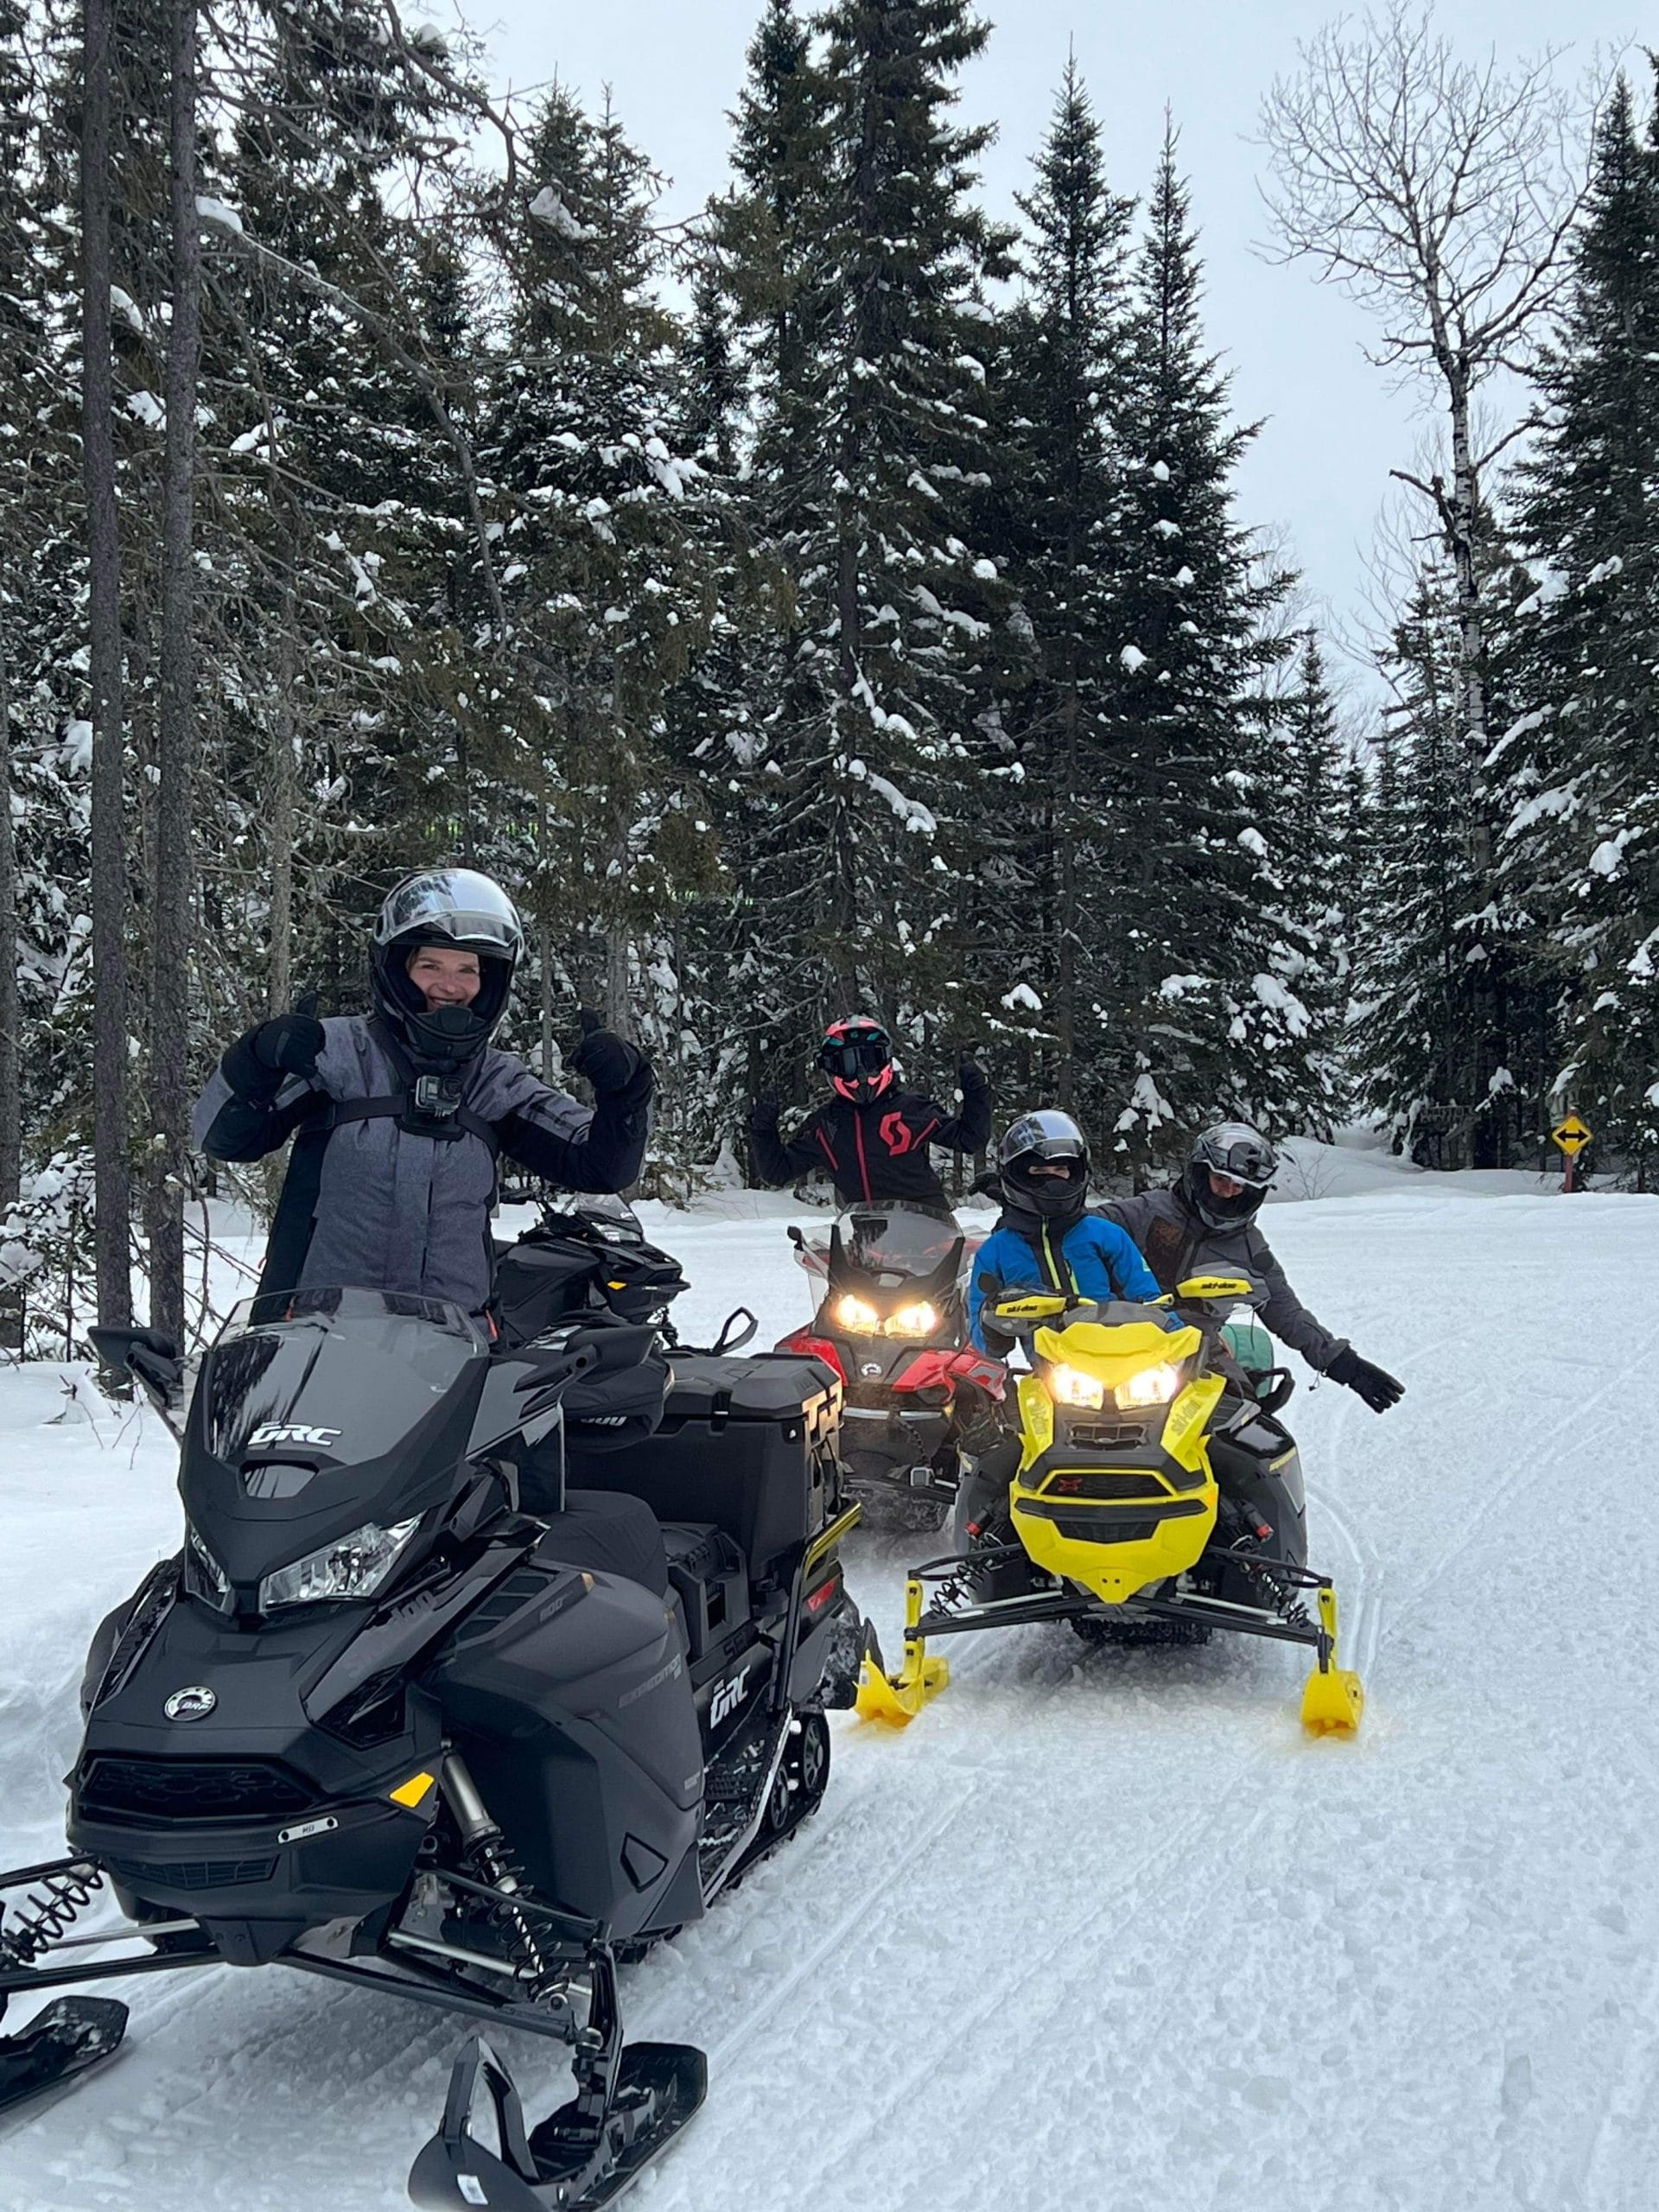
(1100, 1929)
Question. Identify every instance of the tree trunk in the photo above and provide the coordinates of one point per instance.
(1471, 626)
(552, 1064)
(11, 1114)
(618, 967)
(171, 941)
(110, 906)
(283, 774)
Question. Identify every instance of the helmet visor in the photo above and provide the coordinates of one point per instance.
(459, 906)
(1248, 1159)
(1047, 1135)
(848, 1060)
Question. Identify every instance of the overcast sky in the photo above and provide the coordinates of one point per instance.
(1331, 427)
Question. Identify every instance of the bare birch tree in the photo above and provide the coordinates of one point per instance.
(1442, 195)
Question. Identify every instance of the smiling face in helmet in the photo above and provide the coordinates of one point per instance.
(444, 976)
(445, 948)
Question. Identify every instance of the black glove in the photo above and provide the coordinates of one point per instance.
(291, 1043)
(764, 1113)
(1379, 1389)
(261, 1061)
(971, 1075)
(615, 1068)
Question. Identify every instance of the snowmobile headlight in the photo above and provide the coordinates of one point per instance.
(1153, 1386)
(1071, 1386)
(921, 1319)
(857, 1314)
(352, 1567)
(204, 1577)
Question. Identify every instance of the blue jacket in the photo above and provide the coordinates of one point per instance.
(1093, 1258)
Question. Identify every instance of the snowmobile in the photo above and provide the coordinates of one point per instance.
(1115, 1521)
(378, 1723)
(585, 1252)
(892, 1322)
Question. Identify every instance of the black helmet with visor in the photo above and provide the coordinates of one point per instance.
(1043, 1163)
(460, 910)
(1238, 1154)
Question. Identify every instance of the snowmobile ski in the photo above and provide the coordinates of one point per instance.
(66, 2041)
(631, 2101)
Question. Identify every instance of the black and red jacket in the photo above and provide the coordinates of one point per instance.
(876, 1151)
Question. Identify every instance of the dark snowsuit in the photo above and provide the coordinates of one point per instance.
(878, 1151)
(1177, 1244)
(377, 1206)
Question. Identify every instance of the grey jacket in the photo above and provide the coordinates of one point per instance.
(377, 1206)
(1177, 1244)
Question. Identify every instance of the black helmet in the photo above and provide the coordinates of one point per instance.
(856, 1055)
(1045, 1139)
(453, 908)
(1245, 1157)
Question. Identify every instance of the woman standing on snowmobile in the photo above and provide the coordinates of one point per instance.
(1044, 1240)
(873, 1138)
(400, 1112)
(1205, 1225)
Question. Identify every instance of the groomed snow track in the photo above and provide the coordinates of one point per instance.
(1101, 1929)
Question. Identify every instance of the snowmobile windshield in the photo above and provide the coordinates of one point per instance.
(349, 1372)
(613, 1217)
(896, 1244)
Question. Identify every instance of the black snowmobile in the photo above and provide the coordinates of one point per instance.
(586, 1254)
(379, 1722)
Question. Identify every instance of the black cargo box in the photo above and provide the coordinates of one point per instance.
(746, 1443)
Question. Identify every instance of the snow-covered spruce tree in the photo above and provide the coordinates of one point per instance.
(44, 1042)
(32, 500)
(1200, 985)
(858, 789)
(1438, 956)
(1578, 768)
(1309, 809)
(341, 333)
(607, 586)
(1048, 879)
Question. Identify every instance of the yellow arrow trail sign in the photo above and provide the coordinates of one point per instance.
(1572, 1135)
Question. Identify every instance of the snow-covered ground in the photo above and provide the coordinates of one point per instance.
(1100, 1930)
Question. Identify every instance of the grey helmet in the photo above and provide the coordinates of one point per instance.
(1244, 1156)
(459, 908)
(1045, 1138)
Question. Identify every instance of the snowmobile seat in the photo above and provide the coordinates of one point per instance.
(610, 1531)
(745, 1443)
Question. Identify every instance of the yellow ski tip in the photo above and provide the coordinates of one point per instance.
(1333, 1702)
(893, 1700)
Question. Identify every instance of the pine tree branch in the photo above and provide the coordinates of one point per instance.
(379, 328)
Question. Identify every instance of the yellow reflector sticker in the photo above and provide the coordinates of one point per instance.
(410, 1793)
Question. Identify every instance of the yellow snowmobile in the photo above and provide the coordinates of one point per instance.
(1115, 1520)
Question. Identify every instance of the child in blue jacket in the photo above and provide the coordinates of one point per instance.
(1044, 1241)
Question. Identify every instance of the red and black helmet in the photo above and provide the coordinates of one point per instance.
(857, 1057)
